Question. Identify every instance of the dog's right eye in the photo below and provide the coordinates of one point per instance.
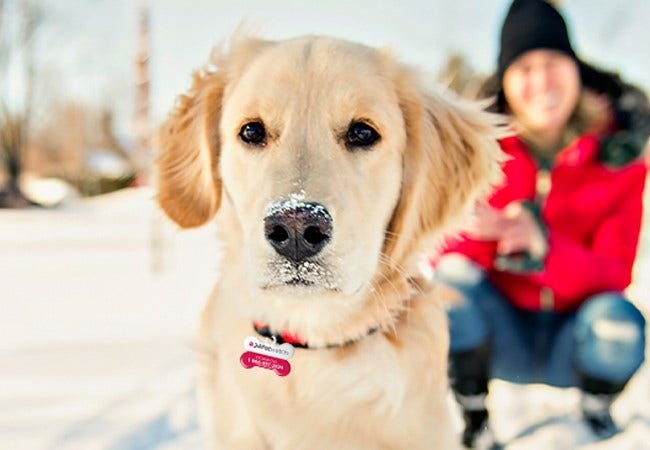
(361, 135)
(253, 133)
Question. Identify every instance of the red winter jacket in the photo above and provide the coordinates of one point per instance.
(593, 218)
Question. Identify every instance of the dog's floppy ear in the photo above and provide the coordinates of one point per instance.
(189, 188)
(452, 158)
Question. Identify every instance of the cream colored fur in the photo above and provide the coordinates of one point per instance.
(436, 154)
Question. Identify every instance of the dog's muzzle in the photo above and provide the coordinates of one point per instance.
(297, 230)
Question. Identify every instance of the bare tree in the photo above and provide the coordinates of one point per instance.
(19, 24)
(459, 76)
(141, 119)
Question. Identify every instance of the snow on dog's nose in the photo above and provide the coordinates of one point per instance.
(297, 230)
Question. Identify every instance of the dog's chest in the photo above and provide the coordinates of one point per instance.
(360, 393)
(338, 390)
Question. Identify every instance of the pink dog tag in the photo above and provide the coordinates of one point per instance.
(281, 367)
(267, 355)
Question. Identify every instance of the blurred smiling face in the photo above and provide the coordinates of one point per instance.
(542, 88)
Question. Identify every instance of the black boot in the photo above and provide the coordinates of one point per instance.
(477, 433)
(596, 402)
(468, 374)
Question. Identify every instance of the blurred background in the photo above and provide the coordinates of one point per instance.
(99, 293)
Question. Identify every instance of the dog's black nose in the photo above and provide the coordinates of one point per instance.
(298, 230)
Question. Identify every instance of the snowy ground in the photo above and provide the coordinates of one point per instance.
(96, 347)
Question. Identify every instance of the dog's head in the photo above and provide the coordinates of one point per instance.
(334, 159)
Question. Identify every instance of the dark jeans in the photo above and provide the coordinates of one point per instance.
(604, 339)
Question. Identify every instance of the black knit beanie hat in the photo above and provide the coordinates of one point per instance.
(529, 25)
(536, 24)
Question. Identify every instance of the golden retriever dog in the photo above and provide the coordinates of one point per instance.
(329, 165)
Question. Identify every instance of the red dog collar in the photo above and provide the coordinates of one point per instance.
(280, 338)
(293, 339)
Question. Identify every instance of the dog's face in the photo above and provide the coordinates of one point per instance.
(311, 158)
(333, 158)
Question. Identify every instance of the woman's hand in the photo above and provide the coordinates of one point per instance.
(485, 223)
(514, 229)
(521, 233)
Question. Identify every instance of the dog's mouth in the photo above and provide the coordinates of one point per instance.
(308, 274)
(299, 282)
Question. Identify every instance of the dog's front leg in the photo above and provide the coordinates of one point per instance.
(223, 421)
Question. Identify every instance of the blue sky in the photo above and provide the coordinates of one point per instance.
(86, 47)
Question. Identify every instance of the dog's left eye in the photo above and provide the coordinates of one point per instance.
(253, 133)
(360, 134)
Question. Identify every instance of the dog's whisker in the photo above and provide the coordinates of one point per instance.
(377, 295)
(397, 268)
(392, 234)
(391, 313)
(389, 262)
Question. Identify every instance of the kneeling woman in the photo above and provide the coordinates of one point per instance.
(543, 264)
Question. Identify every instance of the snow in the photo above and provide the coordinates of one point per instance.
(97, 347)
